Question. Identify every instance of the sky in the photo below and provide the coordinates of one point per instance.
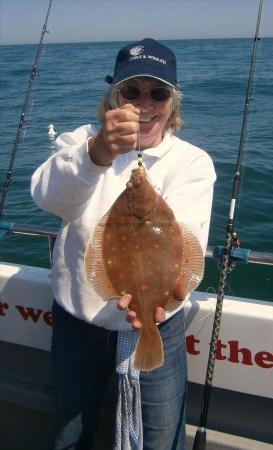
(21, 21)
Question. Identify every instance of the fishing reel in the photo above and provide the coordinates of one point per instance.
(235, 253)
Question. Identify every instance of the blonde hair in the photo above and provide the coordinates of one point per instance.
(110, 102)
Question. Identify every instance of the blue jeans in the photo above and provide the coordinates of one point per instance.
(84, 360)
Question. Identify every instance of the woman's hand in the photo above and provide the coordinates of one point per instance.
(124, 302)
(119, 134)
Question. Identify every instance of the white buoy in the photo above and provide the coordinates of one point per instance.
(51, 131)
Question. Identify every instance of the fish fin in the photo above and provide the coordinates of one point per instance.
(93, 264)
(149, 352)
(193, 264)
(192, 269)
(172, 304)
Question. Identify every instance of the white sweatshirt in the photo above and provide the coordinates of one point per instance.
(69, 185)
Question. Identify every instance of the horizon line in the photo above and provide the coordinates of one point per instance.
(131, 40)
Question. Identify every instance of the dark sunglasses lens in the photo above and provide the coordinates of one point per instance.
(160, 94)
(130, 92)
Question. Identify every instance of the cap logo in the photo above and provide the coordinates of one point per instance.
(135, 51)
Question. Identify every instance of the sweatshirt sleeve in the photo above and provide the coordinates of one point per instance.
(64, 183)
(189, 193)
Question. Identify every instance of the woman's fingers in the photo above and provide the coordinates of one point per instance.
(123, 304)
(133, 320)
(120, 129)
(124, 301)
(160, 314)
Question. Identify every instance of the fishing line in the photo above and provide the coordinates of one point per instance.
(28, 115)
(230, 243)
(22, 123)
(139, 153)
(250, 127)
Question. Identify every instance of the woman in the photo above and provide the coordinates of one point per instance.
(80, 183)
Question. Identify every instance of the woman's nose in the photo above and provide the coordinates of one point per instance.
(145, 99)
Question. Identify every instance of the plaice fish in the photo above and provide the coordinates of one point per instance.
(139, 248)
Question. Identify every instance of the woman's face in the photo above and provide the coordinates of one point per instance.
(154, 115)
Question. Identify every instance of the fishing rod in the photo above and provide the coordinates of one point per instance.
(23, 115)
(230, 243)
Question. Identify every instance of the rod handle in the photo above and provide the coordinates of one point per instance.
(200, 439)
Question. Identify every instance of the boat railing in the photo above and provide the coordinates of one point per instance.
(214, 252)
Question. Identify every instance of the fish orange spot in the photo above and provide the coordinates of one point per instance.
(176, 266)
(167, 293)
(124, 238)
(156, 246)
(109, 262)
(144, 287)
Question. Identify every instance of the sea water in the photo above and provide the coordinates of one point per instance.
(213, 76)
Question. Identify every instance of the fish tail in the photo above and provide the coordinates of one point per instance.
(149, 349)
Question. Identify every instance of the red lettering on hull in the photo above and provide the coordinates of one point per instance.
(190, 343)
(27, 313)
(245, 354)
(264, 360)
(34, 314)
(232, 352)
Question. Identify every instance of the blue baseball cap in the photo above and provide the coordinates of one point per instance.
(146, 58)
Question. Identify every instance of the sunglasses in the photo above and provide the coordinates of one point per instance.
(158, 94)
